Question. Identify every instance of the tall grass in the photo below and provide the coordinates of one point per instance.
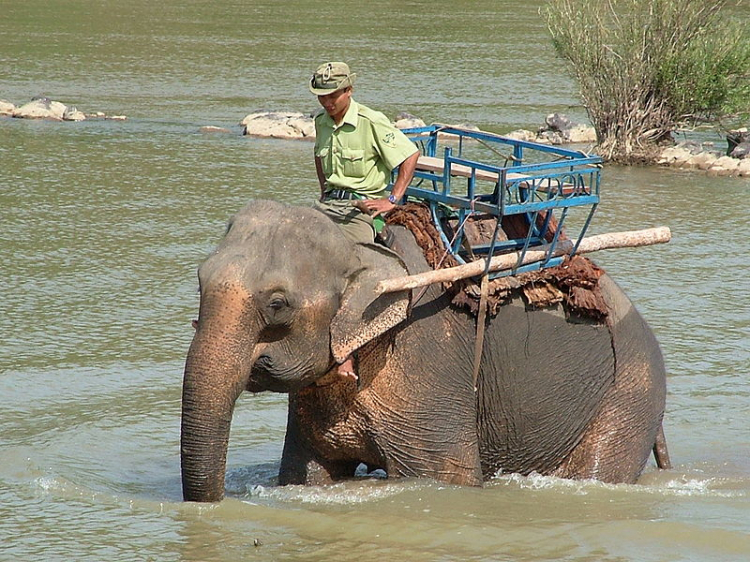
(646, 67)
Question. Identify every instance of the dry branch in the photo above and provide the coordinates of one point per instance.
(629, 239)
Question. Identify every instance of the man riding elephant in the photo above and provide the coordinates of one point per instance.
(356, 150)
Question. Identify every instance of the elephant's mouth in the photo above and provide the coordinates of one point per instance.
(281, 376)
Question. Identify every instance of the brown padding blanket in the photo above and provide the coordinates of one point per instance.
(575, 282)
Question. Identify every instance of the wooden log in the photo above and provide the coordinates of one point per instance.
(629, 239)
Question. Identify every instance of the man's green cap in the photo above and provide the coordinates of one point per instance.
(331, 77)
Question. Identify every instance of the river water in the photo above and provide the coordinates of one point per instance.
(105, 222)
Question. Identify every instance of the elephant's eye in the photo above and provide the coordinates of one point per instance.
(278, 311)
(277, 302)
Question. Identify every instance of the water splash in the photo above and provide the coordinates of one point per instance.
(668, 483)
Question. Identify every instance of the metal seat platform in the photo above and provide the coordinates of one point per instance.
(463, 173)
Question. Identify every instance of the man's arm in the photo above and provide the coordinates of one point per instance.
(405, 175)
(322, 176)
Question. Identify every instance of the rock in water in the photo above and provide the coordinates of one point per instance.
(41, 108)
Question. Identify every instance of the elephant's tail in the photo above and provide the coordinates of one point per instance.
(661, 454)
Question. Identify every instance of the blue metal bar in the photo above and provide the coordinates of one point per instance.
(439, 227)
(492, 137)
(566, 179)
(447, 171)
(560, 224)
(507, 245)
(491, 251)
(527, 241)
(450, 200)
(585, 227)
(515, 209)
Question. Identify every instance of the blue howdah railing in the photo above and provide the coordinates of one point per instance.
(465, 172)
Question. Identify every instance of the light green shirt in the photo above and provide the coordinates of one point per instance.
(361, 152)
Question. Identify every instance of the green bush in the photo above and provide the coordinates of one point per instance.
(646, 67)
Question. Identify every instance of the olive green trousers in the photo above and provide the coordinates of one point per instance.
(357, 226)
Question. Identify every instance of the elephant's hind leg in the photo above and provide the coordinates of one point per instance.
(615, 446)
(620, 439)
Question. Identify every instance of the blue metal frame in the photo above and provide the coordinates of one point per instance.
(558, 180)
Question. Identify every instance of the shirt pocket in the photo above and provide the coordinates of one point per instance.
(353, 162)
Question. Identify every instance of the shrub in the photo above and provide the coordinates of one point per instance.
(646, 67)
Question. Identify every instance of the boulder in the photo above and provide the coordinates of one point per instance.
(693, 147)
(743, 169)
(522, 135)
(581, 134)
(681, 155)
(741, 150)
(673, 156)
(450, 137)
(551, 137)
(558, 122)
(724, 166)
(7, 108)
(279, 125)
(694, 155)
(41, 108)
(735, 138)
(72, 114)
(559, 129)
(702, 161)
(406, 120)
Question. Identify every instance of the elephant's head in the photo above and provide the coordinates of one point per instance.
(282, 298)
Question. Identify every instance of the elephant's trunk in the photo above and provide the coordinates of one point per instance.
(216, 371)
(203, 445)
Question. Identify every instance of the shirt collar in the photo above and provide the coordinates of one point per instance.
(352, 114)
(351, 117)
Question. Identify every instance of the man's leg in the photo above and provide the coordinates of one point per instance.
(356, 225)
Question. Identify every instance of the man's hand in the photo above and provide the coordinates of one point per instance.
(375, 207)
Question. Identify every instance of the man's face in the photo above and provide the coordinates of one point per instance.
(336, 103)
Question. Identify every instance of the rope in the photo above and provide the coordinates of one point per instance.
(502, 154)
(479, 342)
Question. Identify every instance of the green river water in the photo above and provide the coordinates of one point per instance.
(104, 224)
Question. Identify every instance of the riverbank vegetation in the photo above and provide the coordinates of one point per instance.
(648, 67)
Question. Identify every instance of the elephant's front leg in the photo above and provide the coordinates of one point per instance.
(301, 464)
(444, 453)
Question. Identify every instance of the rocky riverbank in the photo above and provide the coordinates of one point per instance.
(691, 155)
(556, 130)
(41, 107)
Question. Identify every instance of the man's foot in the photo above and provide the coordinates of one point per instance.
(346, 369)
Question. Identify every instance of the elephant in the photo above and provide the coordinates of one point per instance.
(285, 296)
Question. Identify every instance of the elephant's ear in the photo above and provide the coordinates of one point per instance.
(364, 315)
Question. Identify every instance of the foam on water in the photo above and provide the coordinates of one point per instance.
(347, 493)
(665, 483)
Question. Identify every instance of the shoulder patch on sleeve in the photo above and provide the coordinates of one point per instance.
(389, 139)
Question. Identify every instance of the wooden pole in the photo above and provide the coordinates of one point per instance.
(629, 239)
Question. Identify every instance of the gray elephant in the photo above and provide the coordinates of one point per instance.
(285, 296)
